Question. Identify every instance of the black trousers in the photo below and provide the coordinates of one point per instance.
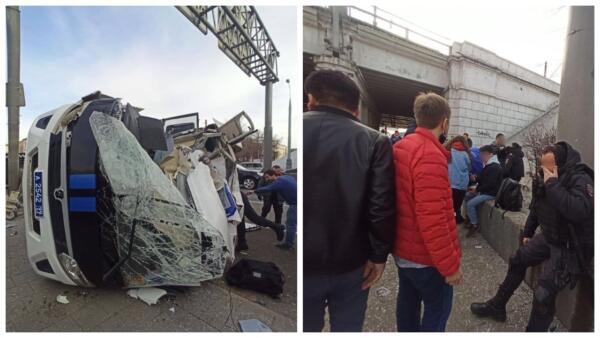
(554, 277)
(251, 214)
(457, 200)
(272, 200)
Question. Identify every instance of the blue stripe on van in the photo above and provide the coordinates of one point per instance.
(82, 204)
(82, 181)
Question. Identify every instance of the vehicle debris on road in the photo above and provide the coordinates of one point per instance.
(149, 296)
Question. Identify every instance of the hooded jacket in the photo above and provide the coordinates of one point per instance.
(572, 195)
(459, 167)
(514, 167)
(425, 225)
(488, 182)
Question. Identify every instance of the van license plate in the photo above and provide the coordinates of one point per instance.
(38, 194)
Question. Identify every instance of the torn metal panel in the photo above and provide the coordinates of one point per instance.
(206, 199)
(160, 238)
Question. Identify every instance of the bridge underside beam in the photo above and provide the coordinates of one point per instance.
(393, 96)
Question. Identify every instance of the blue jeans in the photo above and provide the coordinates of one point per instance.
(290, 235)
(428, 286)
(342, 295)
(472, 200)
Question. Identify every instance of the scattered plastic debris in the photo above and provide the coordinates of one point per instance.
(478, 246)
(62, 299)
(172, 309)
(149, 296)
(253, 325)
(383, 291)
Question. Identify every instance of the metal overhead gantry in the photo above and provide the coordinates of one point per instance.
(244, 39)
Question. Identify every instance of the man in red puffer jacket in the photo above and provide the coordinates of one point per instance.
(426, 248)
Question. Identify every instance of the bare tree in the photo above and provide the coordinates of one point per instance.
(252, 148)
(535, 140)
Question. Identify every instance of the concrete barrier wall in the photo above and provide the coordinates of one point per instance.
(574, 308)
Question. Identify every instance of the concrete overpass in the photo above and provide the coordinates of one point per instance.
(487, 94)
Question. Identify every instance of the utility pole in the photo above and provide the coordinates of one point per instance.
(576, 100)
(268, 133)
(14, 92)
(288, 162)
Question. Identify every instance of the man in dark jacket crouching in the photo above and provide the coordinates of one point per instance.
(563, 207)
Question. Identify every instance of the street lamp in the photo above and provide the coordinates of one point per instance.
(288, 161)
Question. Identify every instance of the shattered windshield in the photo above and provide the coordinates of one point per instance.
(160, 238)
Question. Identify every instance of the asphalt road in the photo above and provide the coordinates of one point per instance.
(31, 300)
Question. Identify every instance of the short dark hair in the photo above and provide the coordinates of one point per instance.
(499, 135)
(270, 172)
(487, 148)
(333, 87)
(430, 110)
(470, 142)
(276, 167)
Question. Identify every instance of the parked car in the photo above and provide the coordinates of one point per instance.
(248, 178)
(255, 166)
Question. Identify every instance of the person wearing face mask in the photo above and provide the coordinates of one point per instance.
(563, 208)
(426, 248)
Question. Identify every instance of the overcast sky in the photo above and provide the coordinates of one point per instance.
(528, 35)
(152, 57)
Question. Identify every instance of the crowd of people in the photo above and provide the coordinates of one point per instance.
(367, 196)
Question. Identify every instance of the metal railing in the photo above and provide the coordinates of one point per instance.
(390, 22)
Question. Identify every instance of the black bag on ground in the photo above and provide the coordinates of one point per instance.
(263, 277)
(509, 197)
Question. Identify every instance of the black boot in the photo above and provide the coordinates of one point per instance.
(492, 309)
(495, 308)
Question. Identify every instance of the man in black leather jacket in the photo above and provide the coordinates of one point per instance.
(349, 204)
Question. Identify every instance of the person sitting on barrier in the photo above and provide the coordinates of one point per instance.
(488, 183)
(563, 207)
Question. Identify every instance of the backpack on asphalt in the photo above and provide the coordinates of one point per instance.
(509, 197)
(263, 277)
